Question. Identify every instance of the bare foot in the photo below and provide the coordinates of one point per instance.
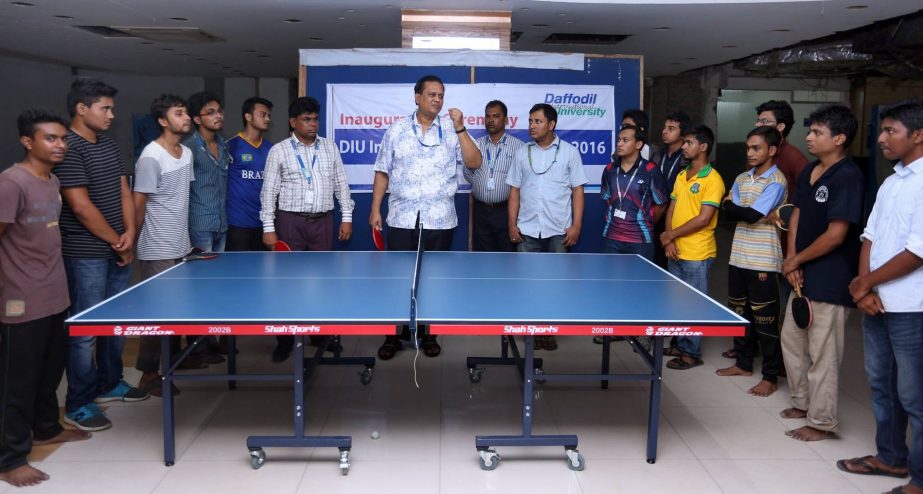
(793, 413)
(733, 371)
(66, 436)
(24, 476)
(763, 389)
(911, 489)
(808, 433)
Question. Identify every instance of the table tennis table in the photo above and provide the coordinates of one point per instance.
(373, 293)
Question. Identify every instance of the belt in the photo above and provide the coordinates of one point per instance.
(308, 216)
(496, 205)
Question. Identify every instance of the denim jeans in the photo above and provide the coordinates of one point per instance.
(208, 241)
(89, 282)
(695, 273)
(645, 250)
(549, 244)
(893, 363)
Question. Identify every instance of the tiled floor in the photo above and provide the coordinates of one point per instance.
(714, 437)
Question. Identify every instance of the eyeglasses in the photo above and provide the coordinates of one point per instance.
(765, 121)
(212, 112)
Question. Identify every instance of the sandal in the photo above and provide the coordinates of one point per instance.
(731, 354)
(866, 467)
(389, 348)
(550, 343)
(680, 363)
(430, 347)
(672, 351)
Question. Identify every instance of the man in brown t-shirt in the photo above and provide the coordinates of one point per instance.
(33, 300)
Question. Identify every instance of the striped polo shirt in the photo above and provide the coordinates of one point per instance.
(757, 246)
(165, 180)
(496, 161)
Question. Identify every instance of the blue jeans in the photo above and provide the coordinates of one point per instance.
(695, 273)
(645, 250)
(208, 241)
(893, 363)
(89, 282)
(549, 244)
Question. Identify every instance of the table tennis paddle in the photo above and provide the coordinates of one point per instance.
(281, 246)
(784, 212)
(801, 310)
(378, 239)
(198, 254)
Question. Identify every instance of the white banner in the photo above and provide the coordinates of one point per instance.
(359, 114)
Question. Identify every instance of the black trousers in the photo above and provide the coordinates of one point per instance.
(32, 359)
(491, 228)
(406, 239)
(754, 295)
(244, 239)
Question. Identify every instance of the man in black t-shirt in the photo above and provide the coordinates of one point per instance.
(97, 235)
(822, 258)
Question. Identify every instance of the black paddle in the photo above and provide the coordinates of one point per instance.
(801, 310)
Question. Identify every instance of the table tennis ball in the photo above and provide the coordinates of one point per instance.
(375, 435)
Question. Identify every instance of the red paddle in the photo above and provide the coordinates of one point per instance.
(378, 239)
(281, 246)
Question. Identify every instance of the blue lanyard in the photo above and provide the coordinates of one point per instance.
(420, 138)
(490, 164)
(307, 176)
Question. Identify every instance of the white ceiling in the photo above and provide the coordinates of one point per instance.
(259, 43)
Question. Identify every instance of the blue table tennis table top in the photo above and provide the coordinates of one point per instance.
(370, 292)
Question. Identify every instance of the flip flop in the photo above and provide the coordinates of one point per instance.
(870, 468)
(731, 354)
(672, 351)
(679, 363)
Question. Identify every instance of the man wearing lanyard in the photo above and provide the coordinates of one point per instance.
(418, 160)
(488, 186)
(302, 175)
(671, 162)
(546, 193)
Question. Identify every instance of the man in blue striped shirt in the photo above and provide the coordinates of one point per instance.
(208, 223)
(488, 183)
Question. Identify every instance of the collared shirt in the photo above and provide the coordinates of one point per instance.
(630, 198)
(838, 194)
(791, 163)
(670, 165)
(209, 191)
(895, 225)
(546, 179)
(757, 246)
(705, 188)
(307, 185)
(422, 173)
(488, 183)
(245, 180)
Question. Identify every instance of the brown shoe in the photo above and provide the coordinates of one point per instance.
(192, 362)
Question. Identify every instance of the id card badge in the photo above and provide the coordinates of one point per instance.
(619, 214)
(491, 183)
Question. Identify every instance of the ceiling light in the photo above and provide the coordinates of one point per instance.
(65, 17)
(292, 21)
(662, 28)
(179, 19)
(857, 7)
(22, 4)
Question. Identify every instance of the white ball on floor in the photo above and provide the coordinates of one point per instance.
(375, 435)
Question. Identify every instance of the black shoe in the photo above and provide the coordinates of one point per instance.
(282, 352)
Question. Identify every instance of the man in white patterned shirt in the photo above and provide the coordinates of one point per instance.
(418, 159)
(302, 175)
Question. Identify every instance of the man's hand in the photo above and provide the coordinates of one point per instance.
(859, 288)
(572, 235)
(671, 251)
(125, 258)
(515, 234)
(790, 264)
(346, 231)
(795, 278)
(270, 239)
(666, 238)
(126, 242)
(871, 304)
(458, 118)
(375, 219)
(773, 217)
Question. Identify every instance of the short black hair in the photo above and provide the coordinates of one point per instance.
(769, 134)
(250, 105)
(198, 101)
(550, 113)
(305, 104)
(418, 87)
(781, 111)
(499, 103)
(839, 119)
(703, 134)
(639, 117)
(639, 133)
(88, 91)
(162, 104)
(907, 112)
(29, 119)
(682, 118)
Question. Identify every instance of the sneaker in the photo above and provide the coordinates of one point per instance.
(88, 418)
(123, 392)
